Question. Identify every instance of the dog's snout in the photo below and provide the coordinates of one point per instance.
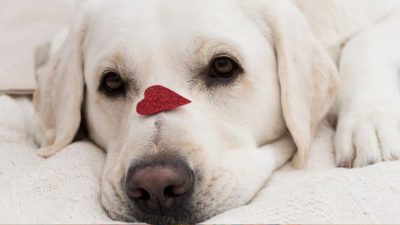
(160, 188)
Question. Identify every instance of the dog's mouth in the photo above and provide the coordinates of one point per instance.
(184, 217)
(132, 214)
(157, 190)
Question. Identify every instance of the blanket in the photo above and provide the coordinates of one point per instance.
(66, 188)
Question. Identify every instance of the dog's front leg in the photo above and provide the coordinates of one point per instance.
(278, 153)
(368, 105)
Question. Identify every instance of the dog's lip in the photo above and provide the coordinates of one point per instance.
(134, 215)
(187, 218)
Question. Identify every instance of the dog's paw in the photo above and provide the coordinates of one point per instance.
(365, 138)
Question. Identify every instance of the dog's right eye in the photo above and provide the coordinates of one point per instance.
(113, 85)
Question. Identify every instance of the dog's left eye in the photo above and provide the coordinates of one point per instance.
(223, 67)
(222, 70)
(112, 84)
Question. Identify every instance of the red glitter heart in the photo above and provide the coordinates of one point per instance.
(159, 99)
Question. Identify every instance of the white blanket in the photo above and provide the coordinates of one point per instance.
(65, 188)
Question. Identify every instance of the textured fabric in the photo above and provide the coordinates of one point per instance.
(65, 188)
(62, 189)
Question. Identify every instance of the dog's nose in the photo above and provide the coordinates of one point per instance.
(160, 188)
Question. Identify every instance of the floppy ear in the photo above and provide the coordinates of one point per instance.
(59, 94)
(308, 76)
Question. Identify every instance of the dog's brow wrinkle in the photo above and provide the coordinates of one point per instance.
(156, 137)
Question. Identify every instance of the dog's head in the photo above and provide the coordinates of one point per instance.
(256, 76)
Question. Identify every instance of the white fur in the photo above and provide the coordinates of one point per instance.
(368, 101)
(237, 135)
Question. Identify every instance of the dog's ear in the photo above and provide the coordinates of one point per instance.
(60, 86)
(308, 76)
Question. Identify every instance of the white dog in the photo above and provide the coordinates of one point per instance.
(260, 75)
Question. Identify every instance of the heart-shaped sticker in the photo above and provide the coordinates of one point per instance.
(159, 99)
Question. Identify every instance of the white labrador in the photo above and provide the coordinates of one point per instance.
(261, 75)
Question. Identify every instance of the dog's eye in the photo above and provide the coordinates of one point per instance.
(223, 69)
(112, 84)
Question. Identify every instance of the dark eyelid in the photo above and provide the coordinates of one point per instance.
(104, 90)
(201, 73)
(222, 55)
(108, 70)
(203, 67)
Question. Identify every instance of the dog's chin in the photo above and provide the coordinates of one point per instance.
(185, 218)
(134, 215)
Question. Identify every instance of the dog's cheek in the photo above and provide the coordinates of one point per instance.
(113, 197)
(105, 119)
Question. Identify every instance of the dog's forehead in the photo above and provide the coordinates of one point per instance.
(183, 9)
(160, 18)
(167, 32)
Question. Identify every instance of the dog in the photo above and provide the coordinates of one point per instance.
(258, 75)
